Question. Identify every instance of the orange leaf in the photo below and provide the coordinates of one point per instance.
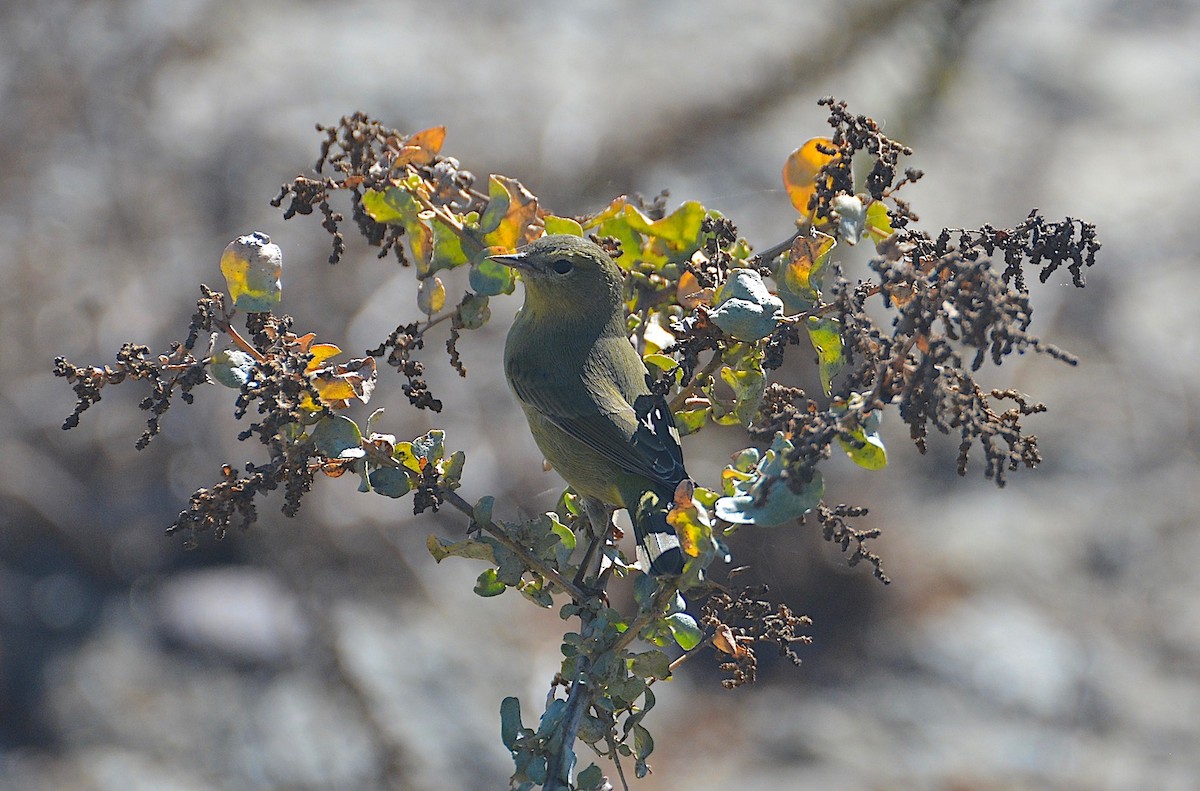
(800, 171)
(420, 148)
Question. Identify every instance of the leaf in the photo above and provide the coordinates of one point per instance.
(252, 266)
(800, 172)
(742, 371)
(473, 311)
(764, 497)
(392, 206)
(557, 225)
(488, 585)
(746, 310)
(390, 481)
(511, 218)
(490, 278)
(467, 548)
(231, 367)
(689, 421)
(590, 779)
(799, 275)
(431, 295)
(867, 449)
(643, 745)
(395, 206)
(685, 630)
(691, 523)
(451, 470)
(510, 722)
(650, 664)
(337, 385)
(430, 446)
(879, 225)
(337, 437)
(681, 226)
(420, 148)
(826, 337)
(447, 247)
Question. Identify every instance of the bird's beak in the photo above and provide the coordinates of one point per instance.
(518, 260)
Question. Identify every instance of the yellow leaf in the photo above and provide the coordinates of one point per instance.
(338, 385)
(800, 171)
(320, 353)
(252, 266)
(431, 296)
(808, 254)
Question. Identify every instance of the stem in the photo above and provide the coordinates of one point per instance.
(243, 344)
(774, 251)
(714, 362)
(559, 763)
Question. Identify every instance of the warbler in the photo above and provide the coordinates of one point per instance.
(586, 392)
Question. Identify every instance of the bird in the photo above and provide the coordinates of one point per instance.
(587, 395)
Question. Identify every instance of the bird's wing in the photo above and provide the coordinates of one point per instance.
(640, 437)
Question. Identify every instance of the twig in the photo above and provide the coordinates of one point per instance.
(524, 554)
(243, 344)
(714, 362)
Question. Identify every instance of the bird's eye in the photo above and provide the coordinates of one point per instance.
(562, 266)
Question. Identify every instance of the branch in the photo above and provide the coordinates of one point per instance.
(683, 395)
(531, 562)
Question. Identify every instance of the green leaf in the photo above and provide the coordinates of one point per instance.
(590, 779)
(451, 470)
(556, 225)
(681, 226)
(430, 446)
(482, 512)
(867, 449)
(826, 336)
(490, 278)
(879, 225)
(689, 421)
(685, 630)
(764, 497)
(643, 745)
(473, 311)
(338, 437)
(469, 548)
(393, 206)
(447, 247)
(231, 367)
(488, 585)
(252, 266)
(390, 481)
(742, 371)
(510, 722)
(650, 664)
(745, 309)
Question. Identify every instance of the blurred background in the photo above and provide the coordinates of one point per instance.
(1042, 636)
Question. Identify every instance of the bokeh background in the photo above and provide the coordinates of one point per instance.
(1042, 636)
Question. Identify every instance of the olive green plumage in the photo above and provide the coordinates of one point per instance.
(586, 393)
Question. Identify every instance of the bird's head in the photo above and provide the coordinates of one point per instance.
(568, 276)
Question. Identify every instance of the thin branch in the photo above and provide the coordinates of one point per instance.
(682, 396)
(527, 557)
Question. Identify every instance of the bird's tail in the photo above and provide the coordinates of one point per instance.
(657, 544)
